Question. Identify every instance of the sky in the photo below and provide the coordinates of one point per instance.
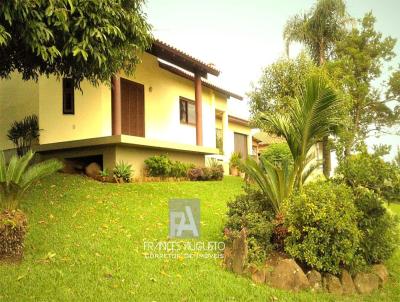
(242, 37)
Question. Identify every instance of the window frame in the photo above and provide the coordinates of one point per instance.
(68, 90)
(186, 102)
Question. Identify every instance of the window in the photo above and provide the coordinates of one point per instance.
(187, 111)
(68, 96)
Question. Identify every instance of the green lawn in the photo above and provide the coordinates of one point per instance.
(85, 242)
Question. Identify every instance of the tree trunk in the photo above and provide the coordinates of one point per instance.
(326, 154)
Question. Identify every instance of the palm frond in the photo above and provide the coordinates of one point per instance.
(39, 171)
(2, 167)
(273, 181)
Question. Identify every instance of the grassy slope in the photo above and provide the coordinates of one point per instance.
(85, 242)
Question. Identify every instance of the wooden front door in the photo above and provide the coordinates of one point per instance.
(240, 144)
(132, 107)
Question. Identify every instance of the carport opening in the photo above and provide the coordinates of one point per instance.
(78, 164)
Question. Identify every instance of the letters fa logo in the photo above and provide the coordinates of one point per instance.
(184, 218)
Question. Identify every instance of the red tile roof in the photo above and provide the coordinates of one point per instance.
(190, 76)
(182, 59)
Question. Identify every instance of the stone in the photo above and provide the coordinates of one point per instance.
(315, 279)
(239, 252)
(93, 170)
(347, 283)
(381, 271)
(228, 257)
(258, 276)
(366, 283)
(287, 275)
(332, 284)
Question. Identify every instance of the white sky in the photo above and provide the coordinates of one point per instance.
(241, 37)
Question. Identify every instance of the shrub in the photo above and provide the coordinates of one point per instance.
(235, 159)
(277, 153)
(379, 228)
(196, 174)
(371, 171)
(24, 133)
(217, 173)
(179, 169)
(249, 211)
(158, 166)
(123, 171)
(206, 173)
(322, 224)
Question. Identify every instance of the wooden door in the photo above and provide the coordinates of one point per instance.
(132, 107)
(240, 144)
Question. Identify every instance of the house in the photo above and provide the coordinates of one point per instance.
(262, 140)
(167, 107)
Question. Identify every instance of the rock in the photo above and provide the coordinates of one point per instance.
(366, 283)
(332, 284)
(315, 280)
(93, 170)
(287, 275)
(228, 257)
(347, 283)
(239, 252)
(258, 276)
(381, 271)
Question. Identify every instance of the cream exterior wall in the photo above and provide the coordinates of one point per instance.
(18, 99)
(92, 116)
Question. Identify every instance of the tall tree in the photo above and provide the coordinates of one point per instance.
(319, 29)
(72, 38)
(357, 64)
(278, 85)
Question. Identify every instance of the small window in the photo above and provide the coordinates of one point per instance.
(187, 111)
(68, 96)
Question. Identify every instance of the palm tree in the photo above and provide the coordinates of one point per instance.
(310, 117)
(319, 29)
(18, 176)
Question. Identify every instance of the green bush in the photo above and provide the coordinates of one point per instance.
(379, 227)
(249, 211)
(123, 170)
(277, 153)
(179, 169)
(162, 166)
(235, 159)
(322, 225)
(158, 166)
(371, 171)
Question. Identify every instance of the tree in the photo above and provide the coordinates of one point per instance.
(319, 29)
(309, 118)
(279, 84)
(358, 61)
(72, 38)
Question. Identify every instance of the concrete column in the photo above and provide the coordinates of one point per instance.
(225, 134)
(199, 109)
(116, 105)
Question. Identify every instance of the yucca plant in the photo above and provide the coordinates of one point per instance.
(15, 179)
(123, 171)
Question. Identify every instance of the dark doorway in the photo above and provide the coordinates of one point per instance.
(132, 107)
